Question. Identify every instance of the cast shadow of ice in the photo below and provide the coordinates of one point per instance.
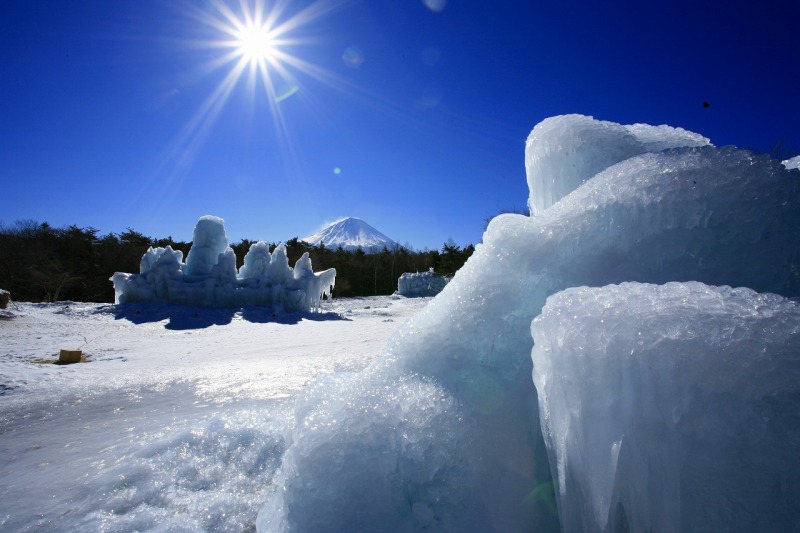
(181, 317)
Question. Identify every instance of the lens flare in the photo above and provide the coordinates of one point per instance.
(353, 57)
(435, 5)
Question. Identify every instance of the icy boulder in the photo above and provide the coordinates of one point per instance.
(421, 284)
(720, 216)
(671, 408)
(209, 277)
(564, 151)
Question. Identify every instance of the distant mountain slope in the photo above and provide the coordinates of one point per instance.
(351, 233)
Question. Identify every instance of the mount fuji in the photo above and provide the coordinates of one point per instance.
(350, 234)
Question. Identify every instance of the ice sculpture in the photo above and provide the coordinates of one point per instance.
(209, 277)
(421, 283)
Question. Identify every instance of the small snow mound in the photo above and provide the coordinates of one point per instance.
(208, 478)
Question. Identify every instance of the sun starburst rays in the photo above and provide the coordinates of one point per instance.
(250, 39)
(252, 49)
(255, 44)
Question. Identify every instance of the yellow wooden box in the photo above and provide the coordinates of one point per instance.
(69, 356)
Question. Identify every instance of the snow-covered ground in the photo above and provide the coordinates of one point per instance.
(179, 417)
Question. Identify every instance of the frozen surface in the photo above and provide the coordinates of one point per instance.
(180, 416)
(564, 151)
(421, 283)
(399, 471)
(209, 277)
(672, 407)
(721, 216)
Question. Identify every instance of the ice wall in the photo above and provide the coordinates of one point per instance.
(721, 216)
(671, 407)
(421, 284)
(209, 277)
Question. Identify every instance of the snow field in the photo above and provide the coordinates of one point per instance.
(177, 422)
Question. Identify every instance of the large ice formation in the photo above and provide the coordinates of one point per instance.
(563, 152)
(671, 407)
(421, 283)
(209, 277)
(381, 453)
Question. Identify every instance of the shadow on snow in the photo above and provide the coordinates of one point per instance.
(182, 317)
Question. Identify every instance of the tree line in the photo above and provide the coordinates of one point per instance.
(41, 263)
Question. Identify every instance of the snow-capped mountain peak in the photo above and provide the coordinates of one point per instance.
(351, 233)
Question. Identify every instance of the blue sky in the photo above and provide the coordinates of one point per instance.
(411, 115)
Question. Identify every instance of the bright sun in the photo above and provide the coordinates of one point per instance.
(255, 44)
(257, 40)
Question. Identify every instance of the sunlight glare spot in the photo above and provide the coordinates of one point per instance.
(255, 43)
(353, 57)
(435, 5)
